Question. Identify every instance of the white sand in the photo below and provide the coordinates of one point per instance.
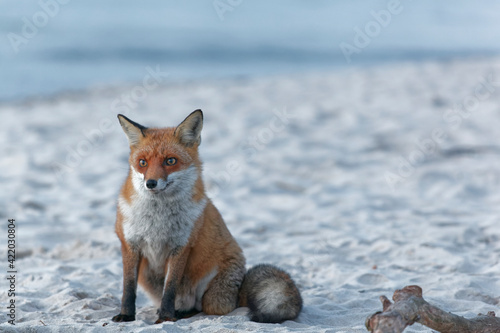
(313, 198)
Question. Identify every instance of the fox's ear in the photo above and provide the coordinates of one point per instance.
(190, 129)
(134, 131)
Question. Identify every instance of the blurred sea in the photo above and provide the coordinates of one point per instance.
(51, 46)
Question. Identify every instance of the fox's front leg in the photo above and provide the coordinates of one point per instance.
(131, 261)
(173, 272)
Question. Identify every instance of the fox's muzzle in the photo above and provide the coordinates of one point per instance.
(156, 185)
(151, 184)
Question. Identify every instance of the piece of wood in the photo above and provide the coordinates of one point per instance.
(409, 307)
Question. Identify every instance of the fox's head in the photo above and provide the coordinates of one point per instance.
(165, 160)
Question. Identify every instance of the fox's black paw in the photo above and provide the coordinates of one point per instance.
(121, 318)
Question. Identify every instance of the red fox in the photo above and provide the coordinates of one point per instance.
(174, 241)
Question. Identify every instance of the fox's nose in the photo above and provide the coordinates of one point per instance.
(151, 183)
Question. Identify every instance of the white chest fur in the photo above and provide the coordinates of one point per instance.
(158, 224)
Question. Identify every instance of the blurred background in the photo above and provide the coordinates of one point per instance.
(52, 46)
(352, 192)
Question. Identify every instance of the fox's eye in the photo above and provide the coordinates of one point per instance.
(143, 163)
(170, 161)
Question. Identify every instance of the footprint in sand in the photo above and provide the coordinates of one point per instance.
(371, 279)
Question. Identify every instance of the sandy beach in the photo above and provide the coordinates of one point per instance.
(357, 182)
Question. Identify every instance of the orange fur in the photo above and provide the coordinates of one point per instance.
(175, 243)
(210, 245)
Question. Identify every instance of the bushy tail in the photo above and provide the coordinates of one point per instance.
(270, 294)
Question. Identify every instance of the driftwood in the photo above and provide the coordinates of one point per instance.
(409, 307)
